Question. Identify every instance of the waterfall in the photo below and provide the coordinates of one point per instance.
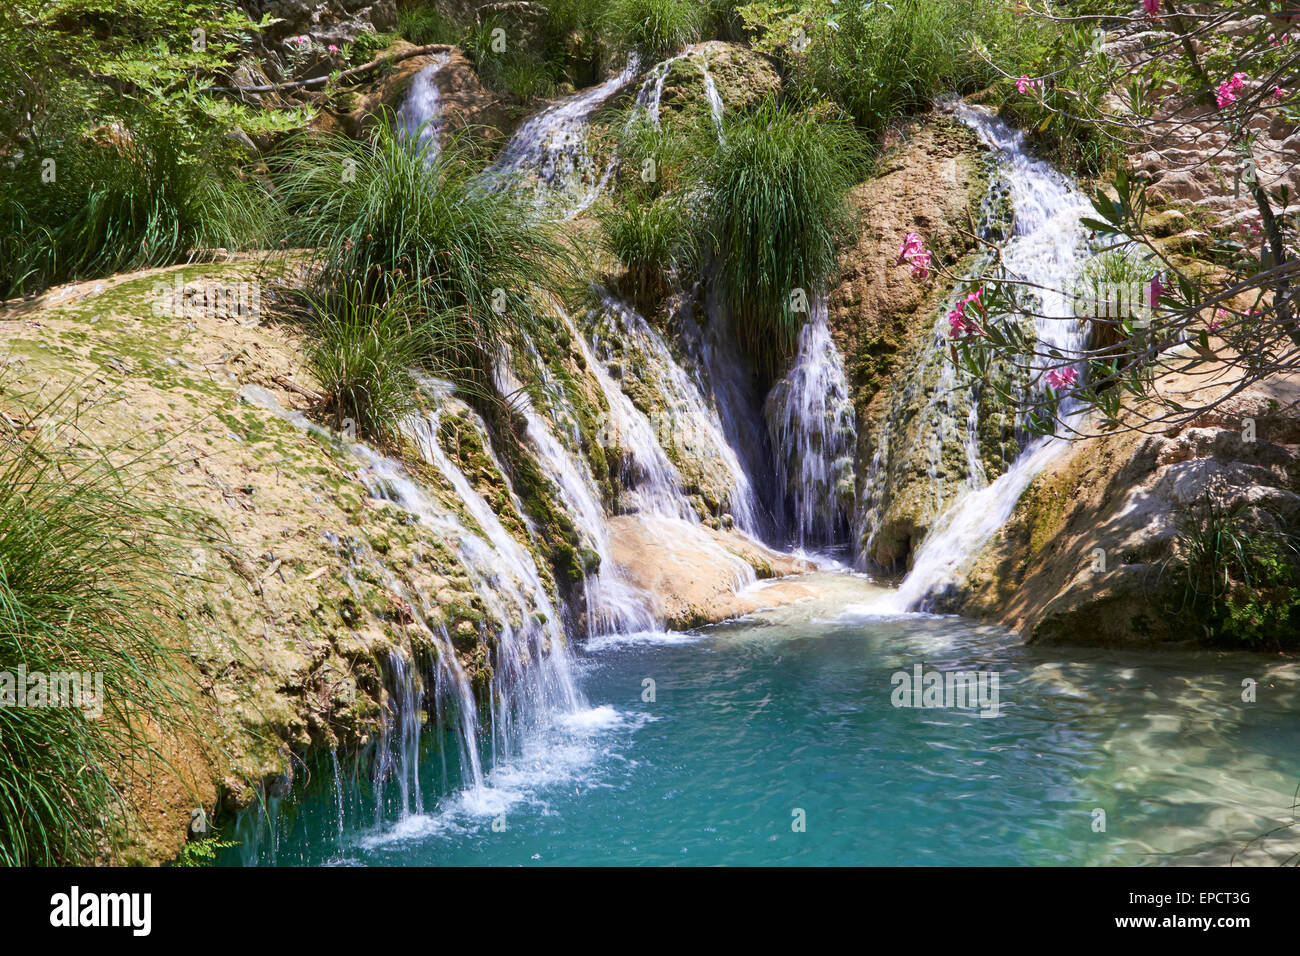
(613, 605)
(553, 148)
(715, 98)
(532, 685)
(420, 115)
(1046, 250)
(810, 422)
(686, 422)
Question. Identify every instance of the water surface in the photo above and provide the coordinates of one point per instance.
(787, 716)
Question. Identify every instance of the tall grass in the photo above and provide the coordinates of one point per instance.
(778, 215)
(384, 214)
(84, 205)
(423, 24)
(885, 60)
(85, 578)
(363, 350)
(656, 239)
(652, 222)
(653, 28)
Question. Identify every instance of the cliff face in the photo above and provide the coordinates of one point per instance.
(933, 181)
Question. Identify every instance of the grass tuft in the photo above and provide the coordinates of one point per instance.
(87, 574)
(778, 216)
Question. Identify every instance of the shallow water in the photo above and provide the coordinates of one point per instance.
(790, 710)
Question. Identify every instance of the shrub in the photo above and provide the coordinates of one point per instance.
(1240, 575)
(777, 217)
(654, 29)
(121, 200)
(424, 24)
(880, 61)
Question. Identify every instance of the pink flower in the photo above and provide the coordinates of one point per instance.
(332, 48)
(1220, 316)
(1279, 93)
(1059, 378)
(912, 244)
(961, 324)
(1152, 7)
(1155, 290)
(1228, 89)
(913, 252)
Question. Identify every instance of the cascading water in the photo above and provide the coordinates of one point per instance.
(810, 422)
(613, 606)
(532, 689)
(687, 423)
(552, 148)
(1046, 250)
(420, 115)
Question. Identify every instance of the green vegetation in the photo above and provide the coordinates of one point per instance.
(363, 350)
(203, 852)
(1240, 576)
(122, 200)
(653, 28)
(424, 24)
(652, 223)
(77, 594)
(654, 238)
(880, 61)
(777, 218)
(385, 217)
(116, 150)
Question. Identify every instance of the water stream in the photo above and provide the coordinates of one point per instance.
(777, 738)
(1046, 249)
(791, 711)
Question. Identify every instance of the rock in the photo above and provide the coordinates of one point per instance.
(1080, 561)
(931, 183)
(697, 575)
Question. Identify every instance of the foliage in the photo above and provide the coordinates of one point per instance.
(882, 60)
(1240, 577)
(80, 594)
(777, 217)
(89, 205)
(652, 224)
(656, 239)
(114, 147)
(363, 350)
(652, 28)
(1232, 321)
(202, 852)
(424, 24)
(421, 222)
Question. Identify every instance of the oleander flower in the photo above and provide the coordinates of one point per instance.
(1059, 378)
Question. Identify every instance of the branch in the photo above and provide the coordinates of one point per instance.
(345, 75)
